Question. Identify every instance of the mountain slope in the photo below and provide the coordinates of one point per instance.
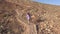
(45, 19)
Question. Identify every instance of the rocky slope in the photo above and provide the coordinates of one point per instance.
(45, 19)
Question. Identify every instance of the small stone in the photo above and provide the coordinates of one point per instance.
(49, 30)
(8, 32)
(51, 26)
(1, 26)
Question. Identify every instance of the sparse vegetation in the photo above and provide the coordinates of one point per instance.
(44, 19)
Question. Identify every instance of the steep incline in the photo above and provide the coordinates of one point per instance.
(45, 19)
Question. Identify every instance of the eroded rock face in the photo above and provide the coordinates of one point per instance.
(45, 19)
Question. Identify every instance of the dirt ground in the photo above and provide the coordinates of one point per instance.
(44, 18)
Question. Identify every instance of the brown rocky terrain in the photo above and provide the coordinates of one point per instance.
(45, 19)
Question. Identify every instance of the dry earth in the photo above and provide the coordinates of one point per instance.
(45, 19)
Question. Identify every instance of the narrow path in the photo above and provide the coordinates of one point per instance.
(32, 27)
